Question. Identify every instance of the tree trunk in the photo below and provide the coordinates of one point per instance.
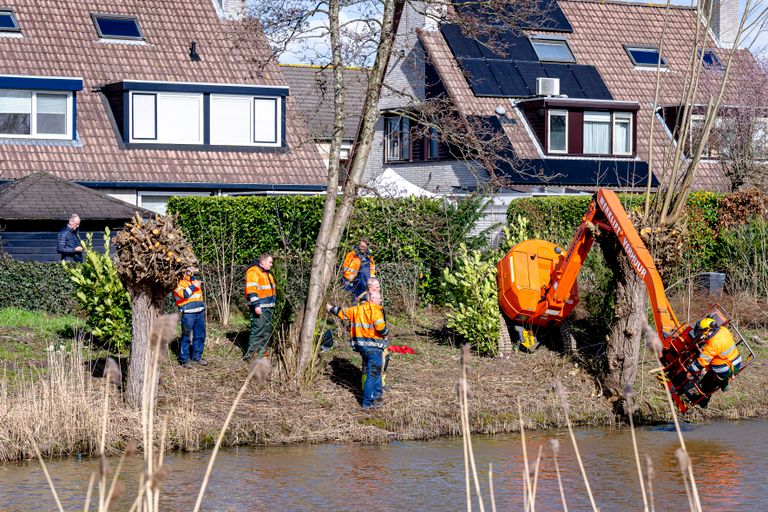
(335, 218)
(623, 344)
(143, 314)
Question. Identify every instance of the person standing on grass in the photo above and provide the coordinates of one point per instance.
(261, 297)
(357, 269)
(68, 243)
(189, 299)
(368, 331)
(373, 295)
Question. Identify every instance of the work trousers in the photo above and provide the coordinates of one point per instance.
(261, 332)
(192, 325)
(372, 363)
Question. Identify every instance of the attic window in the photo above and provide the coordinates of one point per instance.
(550, 49)
(710, 61)
(114, 26)
(645, 56)
(8, 21)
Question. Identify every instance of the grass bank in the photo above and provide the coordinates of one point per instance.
(58, 401)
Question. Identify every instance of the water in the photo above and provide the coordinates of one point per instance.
(730, 462)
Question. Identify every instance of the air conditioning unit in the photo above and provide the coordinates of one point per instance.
(547, 86)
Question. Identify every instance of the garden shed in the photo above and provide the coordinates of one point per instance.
(33, 209)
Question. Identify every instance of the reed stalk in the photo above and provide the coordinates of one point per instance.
(47, 475)
(566, 409)
(528, 501)
(554, 444)
(490, 487)
(629, 395)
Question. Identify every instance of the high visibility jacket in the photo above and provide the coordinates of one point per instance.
(189, 298)
(260, 287)
(367, 325)
(720, 354)
(352, 263)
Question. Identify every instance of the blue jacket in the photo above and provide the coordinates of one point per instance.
(66, 242)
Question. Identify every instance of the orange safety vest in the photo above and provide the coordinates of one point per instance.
(351, 265)
(720, 354)
(260, 288)
(189, 298)
(367, 325)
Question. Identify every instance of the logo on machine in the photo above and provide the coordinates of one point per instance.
(634, 260)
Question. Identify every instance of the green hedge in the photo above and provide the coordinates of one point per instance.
(556, 218)
(35, 286)
(423, 232)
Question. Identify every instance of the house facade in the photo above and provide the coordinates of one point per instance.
(144, 100)
(571, 95)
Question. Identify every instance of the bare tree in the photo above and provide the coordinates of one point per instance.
(338, 34)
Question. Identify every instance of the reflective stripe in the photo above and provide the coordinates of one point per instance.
(265, 287)
(726, 352)
(364, 326)
(737, 362)
(368, 342)
(251, 283)
(705, 357)
(379, 321)
(722, 368)
(193, 310)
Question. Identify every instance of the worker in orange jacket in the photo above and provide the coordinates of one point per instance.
(189, 299)
(357, 268)
(261, 297)
(718, 355)
(368, 331)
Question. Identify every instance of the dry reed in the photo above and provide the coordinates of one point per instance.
(629, 396)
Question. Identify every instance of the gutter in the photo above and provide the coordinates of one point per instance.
(160, 185)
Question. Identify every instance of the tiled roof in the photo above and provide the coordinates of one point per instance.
(600, 31)
(59, 39)
(312, 90)
(42, 196)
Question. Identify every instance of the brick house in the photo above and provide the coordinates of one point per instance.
(145, 99)
(571, 93)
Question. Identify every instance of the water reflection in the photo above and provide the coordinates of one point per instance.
(730, 464)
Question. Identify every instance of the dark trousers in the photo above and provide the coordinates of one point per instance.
(372, 363)
(192, 324)
(261, 332)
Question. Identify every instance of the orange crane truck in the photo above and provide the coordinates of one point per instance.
(537, 289)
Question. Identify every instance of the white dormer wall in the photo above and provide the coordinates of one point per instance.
(404, 80)
(724, 21)
(230, 9)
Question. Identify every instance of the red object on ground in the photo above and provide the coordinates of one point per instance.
(401, 349)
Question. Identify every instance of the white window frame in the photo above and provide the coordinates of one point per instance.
(602, 115)
(33, 119)
(278, 122)
(662, 62)
(157, 139)
(550, 113)
(624, 116)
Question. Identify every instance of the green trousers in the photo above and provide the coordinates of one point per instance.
(261, 332)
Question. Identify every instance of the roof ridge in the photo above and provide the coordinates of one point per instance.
(633, 3)
(315, 66)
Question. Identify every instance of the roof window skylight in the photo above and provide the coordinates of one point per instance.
(115, 26)
(645, 56)
(8, 21)
(552, 50)
(710, 60)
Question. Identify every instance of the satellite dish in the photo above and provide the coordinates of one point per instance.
(501, 110)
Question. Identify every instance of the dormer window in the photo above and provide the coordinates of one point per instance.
(710, 60)
(552, 49)
(116, 26)
(8, 21)
(645, 56)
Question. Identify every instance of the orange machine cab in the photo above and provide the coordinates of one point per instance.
(524, 274)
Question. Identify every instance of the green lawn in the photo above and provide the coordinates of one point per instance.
(25, 335)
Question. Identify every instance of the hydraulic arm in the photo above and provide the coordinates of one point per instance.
(537, 287)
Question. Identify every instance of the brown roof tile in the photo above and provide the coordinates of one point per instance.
(59, 39)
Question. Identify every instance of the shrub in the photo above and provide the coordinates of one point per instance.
(32, 285)
(472, 299)
(102, 296)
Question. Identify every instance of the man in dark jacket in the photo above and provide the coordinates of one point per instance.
(68, 242)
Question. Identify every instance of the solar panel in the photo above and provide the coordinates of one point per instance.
(568, 83)
(480, 78)
(461, 46)
(591, 82)
(508, 78)
(564, 172)
(530, 71)
(8, 21)
(111, 26)
(549, 17)
(518, 47)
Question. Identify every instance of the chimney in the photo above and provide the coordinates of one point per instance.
(724, 20)
(230, 9)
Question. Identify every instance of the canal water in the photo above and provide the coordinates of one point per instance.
(730, 463)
